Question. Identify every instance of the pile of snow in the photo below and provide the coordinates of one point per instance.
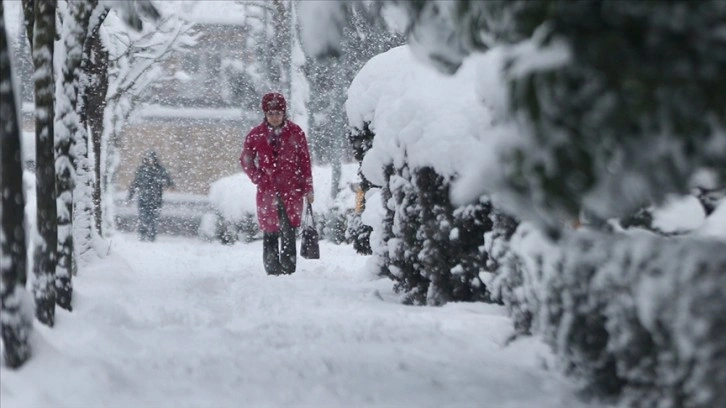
(419, 116)
(715, 225)
(235, 196)
(679, 214)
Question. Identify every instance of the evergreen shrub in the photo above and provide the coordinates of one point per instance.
(433, 251)
(636, 319)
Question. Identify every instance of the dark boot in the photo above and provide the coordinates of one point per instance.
(271, 252)
(288, 256)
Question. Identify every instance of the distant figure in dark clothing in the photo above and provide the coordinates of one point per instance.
(149, 182)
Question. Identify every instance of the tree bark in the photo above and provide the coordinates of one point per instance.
(70, 135)
(29, 13)
(83, 212)
(96, 67)
(71, 150)
(15, 325)
(47, 222)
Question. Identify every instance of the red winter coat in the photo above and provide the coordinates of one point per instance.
(288, 173)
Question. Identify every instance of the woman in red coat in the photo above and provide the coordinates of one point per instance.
(276, 158)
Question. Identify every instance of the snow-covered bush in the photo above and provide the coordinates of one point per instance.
(415, 145)
(405, 245)
(641, 317)
(431, 250)
(496, 241)
(635, 317)
(235, 213)
(359, 234)
(334, 224)
(453, 254)
(235, 208)
(333, 204)
(520, 265)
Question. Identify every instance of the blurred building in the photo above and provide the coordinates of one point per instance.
(197, 119)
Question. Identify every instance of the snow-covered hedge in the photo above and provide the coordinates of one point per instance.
(633, 316)
(425, 128)
(235, 211)
(333, 210)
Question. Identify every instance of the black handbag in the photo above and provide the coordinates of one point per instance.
(309, 246)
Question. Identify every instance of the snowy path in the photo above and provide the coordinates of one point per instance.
(180, 323)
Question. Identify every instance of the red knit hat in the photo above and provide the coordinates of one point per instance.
(273, 101)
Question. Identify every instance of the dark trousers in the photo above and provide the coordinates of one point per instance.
(148, 218)
(279, 254)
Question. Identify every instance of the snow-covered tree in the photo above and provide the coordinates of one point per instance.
(563, 80)
(134, 65)
(44, 262)
(79, 20)
(270, 38)
(95, 66)
(84, 199)
(69, 133)
(431, 247)
(15, 316)
(362, 38)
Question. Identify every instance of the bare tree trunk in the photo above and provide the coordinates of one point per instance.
(15, 324)
(47, 221)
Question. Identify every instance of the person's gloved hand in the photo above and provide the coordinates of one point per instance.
(310, 197)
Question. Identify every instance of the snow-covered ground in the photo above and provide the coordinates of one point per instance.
(182, 323)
